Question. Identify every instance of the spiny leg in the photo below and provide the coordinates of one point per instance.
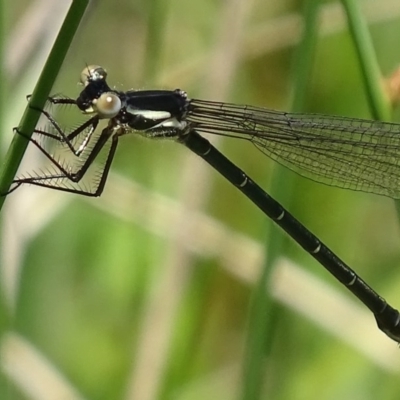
(74, 177)
(90, 123)
(63, 137)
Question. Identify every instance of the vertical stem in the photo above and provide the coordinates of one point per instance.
(40, 94)
(378, 101)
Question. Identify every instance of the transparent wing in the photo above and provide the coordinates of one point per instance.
(350, 153)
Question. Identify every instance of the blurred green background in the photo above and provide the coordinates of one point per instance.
(147, 292)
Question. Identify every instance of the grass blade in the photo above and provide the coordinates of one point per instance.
(40, 94)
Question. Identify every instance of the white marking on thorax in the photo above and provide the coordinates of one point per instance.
(150, 114)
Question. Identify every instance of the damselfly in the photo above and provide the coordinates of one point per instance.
(350, 153)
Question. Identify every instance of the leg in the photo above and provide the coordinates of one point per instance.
(63, 178)
(61, 136)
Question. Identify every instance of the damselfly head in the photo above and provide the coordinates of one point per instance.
(93, 73)
(93, 77)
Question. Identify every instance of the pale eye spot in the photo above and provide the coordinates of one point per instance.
(108, 105)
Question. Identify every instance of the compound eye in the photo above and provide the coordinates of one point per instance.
(108, 105)
(93, 73)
